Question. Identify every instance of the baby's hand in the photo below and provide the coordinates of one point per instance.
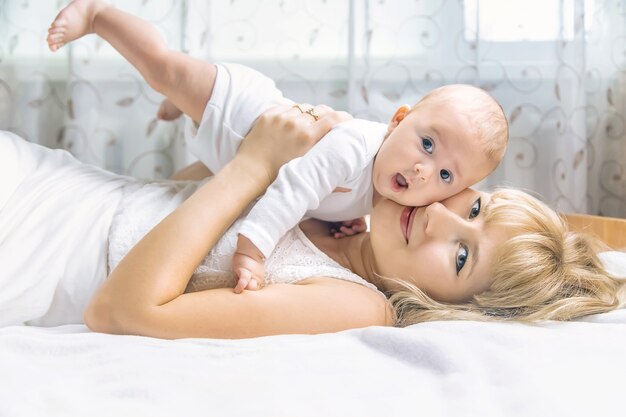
(348, 228)
(249, 265)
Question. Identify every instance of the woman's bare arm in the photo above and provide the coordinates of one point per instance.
(144, 294)
(321, 305)
(196, 171)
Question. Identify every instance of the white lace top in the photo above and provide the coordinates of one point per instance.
(295, 257)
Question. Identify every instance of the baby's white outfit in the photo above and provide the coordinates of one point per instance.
(304, 186)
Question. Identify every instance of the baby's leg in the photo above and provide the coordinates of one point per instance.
(186, 81)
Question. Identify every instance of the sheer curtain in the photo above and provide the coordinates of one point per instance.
(555, 65)
(85, 98)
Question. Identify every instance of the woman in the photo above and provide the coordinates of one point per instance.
(56, 213)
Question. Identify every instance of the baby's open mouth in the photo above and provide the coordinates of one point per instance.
(399, 182)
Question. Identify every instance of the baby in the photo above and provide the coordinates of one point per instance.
(452, 138)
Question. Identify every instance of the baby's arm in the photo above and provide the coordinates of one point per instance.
(301, 185)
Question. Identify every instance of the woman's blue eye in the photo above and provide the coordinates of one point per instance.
(461, 257)
(445, 175)
(475, 210)
(427, 144)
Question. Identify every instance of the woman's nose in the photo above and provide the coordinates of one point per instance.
(442, 221)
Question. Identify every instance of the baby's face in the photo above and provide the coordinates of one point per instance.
(431, 154)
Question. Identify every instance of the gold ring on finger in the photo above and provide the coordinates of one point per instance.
(297, 106)
(312, 112)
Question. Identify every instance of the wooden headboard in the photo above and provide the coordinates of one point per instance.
(610, 229)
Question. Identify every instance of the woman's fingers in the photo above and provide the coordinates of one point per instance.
(320, 113)
(317, 121)
(287, 131)
(327, 119)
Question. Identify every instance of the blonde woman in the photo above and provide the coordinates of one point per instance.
(131, 257)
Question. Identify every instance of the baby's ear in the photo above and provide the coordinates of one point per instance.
(398, 116)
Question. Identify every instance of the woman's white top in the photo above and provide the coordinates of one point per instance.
(65, 224)
(55, 215)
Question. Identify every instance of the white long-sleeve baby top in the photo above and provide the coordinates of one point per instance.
(307, 186)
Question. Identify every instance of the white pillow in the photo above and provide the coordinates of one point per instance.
(614, 262)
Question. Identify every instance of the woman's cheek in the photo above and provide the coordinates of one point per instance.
(431, 265)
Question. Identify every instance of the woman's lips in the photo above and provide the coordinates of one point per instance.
(406, 221)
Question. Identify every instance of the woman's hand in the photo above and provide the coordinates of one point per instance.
(286, 132)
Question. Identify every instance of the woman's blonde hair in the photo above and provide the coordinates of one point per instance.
(543, 272)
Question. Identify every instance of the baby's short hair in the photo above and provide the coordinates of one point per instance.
(485, 112)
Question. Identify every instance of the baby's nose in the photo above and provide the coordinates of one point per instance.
(423, 171)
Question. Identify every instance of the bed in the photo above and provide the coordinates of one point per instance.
(432, 369)
(609, 229)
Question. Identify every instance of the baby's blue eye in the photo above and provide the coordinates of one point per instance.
(461, 257)
(427, 144)
(445, 175)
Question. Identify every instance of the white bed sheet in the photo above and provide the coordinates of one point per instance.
(432, 369)
(449, 368)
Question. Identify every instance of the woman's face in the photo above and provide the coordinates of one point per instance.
(444, 248)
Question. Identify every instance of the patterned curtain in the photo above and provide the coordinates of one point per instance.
(85, 98)
(556, 66)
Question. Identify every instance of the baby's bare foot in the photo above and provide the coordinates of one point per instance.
(74, 21)
(168, 111)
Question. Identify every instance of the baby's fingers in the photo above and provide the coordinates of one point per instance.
(359, 226)
(245, 277)
(348, 230)
(252, 285)
(336, 233)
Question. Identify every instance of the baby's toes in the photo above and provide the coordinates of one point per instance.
(55, 38)
(54, 45)
(59, 22)
(55, 41)
(57, 28)
(167, 114)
